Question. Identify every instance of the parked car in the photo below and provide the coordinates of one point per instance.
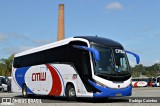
(3, 83)
(1, 88)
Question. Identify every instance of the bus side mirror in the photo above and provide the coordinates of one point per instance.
(135, 55)
(94, 51)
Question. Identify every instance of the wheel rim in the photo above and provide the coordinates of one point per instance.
(72, 92)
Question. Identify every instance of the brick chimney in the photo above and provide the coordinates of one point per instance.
(60, 35)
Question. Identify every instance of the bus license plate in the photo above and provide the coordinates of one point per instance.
(118, 94)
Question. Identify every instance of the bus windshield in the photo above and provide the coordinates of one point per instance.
(113, 61)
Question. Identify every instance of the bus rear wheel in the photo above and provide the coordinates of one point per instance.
(70, 93)
(24, 91)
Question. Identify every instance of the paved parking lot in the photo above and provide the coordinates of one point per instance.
(146, 92)
(120, 101)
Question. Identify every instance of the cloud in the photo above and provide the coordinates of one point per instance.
(22, 37)
(157, 34)
(18, 35)
(114, 6)
(41, 42)
(146, 29)
(156, 61)
(3, 37)
(143, 62)
(13, 36)
(23, 42)
(149, 63)
(17, 49)
(13, 50)
(15, 42)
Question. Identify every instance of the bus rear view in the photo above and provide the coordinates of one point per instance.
(82, 66)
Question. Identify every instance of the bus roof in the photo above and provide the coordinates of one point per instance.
(101, 41)
(94, 39)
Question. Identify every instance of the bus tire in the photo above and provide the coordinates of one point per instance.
(70, 93)
(24, 91)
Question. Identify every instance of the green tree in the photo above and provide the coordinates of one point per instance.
(6, 65)
(138, 70)
(1, 69)
(149, 71)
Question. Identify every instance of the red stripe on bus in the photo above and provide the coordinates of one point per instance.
(56, 82)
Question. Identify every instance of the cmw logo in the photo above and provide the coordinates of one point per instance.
(119, 51)
(39, 76)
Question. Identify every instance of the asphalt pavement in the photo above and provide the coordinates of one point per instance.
(152, 94)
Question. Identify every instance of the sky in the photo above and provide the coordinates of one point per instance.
(25, 24)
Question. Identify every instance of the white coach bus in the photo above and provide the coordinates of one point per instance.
(82, 66)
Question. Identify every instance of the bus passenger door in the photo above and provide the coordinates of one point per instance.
(85, 73)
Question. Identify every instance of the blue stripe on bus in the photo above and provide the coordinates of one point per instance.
(20, 77)
(109, 92)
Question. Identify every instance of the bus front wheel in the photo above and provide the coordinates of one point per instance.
(70, 93)
(24, 91)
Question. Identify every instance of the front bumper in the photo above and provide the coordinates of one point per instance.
(109, 92)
